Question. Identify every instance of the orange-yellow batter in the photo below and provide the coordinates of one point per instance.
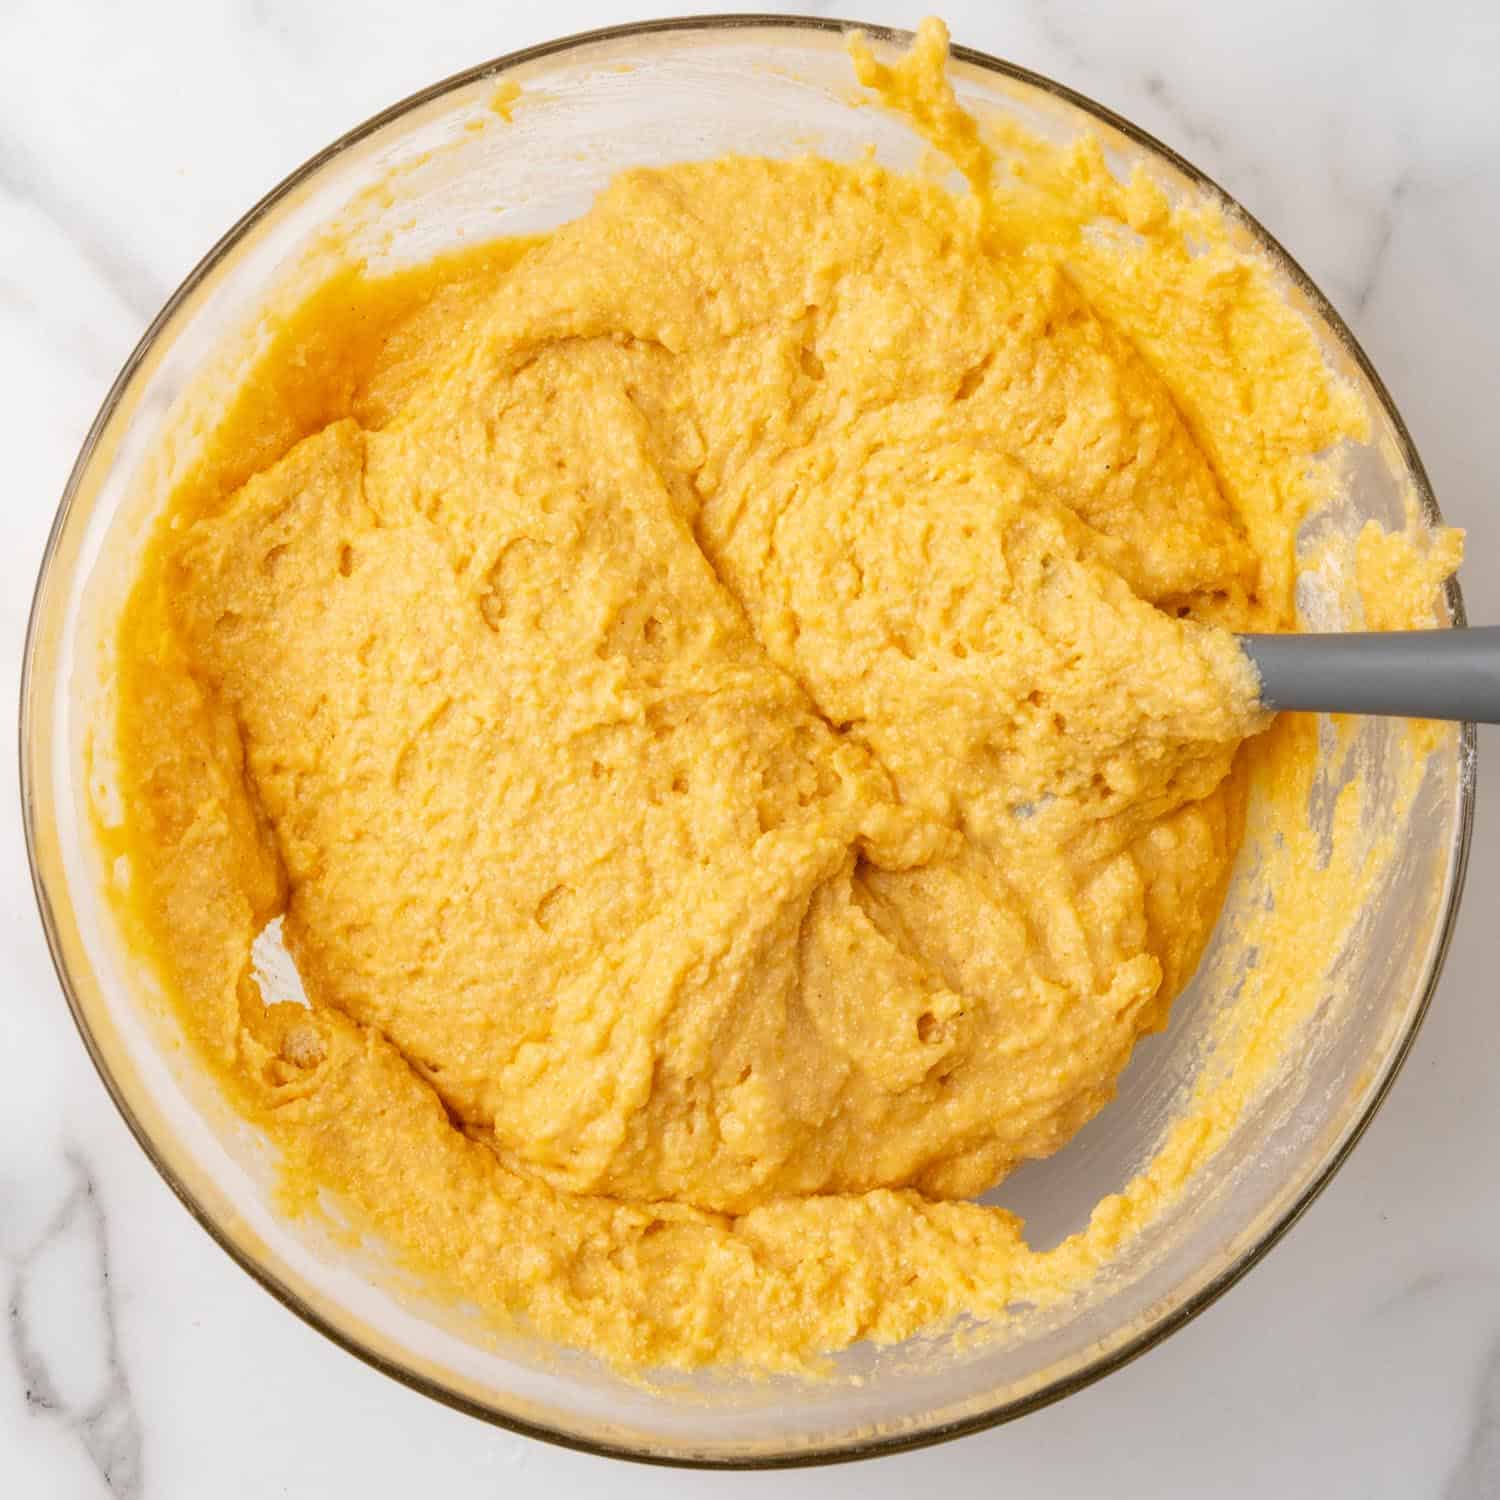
(733, 703)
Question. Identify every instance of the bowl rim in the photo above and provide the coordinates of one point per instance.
(1158, 1328)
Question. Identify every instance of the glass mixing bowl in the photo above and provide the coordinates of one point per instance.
(441, 168)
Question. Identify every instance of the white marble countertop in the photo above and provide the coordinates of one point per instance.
(1362, 1359)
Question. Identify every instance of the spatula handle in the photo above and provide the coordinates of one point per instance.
(1418, 674)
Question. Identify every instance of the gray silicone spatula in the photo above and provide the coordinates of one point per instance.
(1413, 674)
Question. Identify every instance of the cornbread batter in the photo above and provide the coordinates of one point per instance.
(733, 704)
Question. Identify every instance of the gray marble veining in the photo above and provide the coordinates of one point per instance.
(100, 1413)
(1477, 1476)
(1367, 282)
